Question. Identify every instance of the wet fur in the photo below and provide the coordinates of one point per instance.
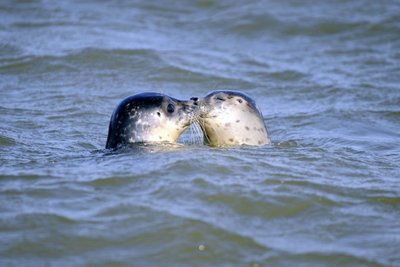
(231, 118)
(145, 118)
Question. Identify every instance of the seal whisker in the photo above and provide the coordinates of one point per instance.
(201, 124)
(191, 140)
(198, 131)
(195, 131)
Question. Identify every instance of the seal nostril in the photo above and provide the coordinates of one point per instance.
(194, 99)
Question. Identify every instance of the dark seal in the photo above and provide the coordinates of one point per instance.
(150, 118)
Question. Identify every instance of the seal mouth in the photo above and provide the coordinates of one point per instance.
(202, 106)
(205, 112)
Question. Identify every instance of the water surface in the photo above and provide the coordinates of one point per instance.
(325, 75)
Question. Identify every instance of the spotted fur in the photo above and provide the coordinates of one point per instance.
(149, 118)
(231, 118)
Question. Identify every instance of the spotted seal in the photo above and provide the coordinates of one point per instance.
(231, 118)
(149, 118)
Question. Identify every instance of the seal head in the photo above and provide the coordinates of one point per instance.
(149, 118)
(231, 118)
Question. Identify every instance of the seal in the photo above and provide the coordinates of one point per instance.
(150, 118)
(231, 118)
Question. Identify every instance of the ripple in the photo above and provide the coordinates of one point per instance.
(7, 141)
(8, 50)
(277, 207)
(288, 75)
(334, 258)
(112, 181)
(36, 220)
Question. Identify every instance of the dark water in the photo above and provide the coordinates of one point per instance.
(326, 75)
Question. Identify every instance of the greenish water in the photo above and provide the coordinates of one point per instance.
(325, 75)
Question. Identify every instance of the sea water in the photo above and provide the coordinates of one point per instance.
(325, 74)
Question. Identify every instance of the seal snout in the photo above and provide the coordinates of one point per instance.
(201, 104)
(191, 105)
(195, 103)
(191, 109)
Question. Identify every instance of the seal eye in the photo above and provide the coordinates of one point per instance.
(240, 100)
(220, 98)
(170, 108)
